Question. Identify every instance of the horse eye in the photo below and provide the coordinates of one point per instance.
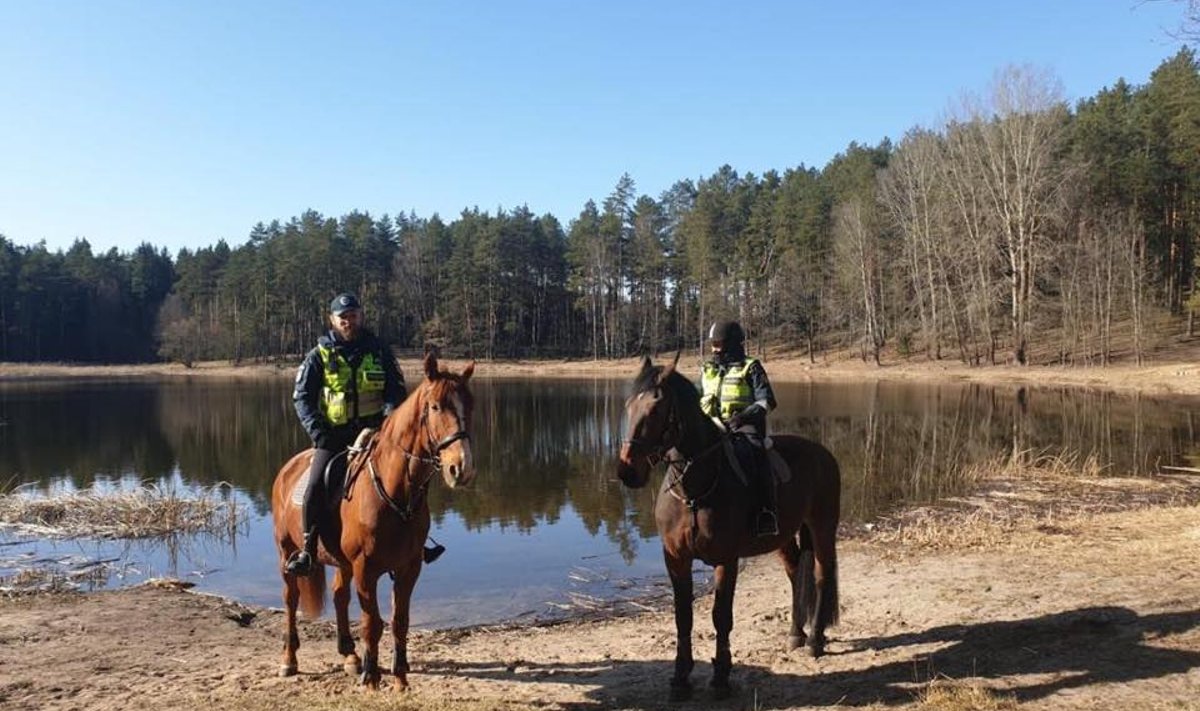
(435, 407)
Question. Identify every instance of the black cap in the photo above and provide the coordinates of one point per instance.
(343, 302)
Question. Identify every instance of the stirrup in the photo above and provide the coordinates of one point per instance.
(432, 553)
(766, 523)
(299, 563)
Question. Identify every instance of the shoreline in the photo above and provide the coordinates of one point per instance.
(1179, 376)
(1110, 622)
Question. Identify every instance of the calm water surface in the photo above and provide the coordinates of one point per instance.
(546, 517)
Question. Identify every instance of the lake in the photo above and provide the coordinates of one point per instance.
(546, 518)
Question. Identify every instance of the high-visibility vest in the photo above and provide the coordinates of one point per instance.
(342, 382)
(726, 396)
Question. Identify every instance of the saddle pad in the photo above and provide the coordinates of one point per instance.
(297, 497)
(779, 467)
(335, 479)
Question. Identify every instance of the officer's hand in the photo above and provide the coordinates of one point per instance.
(735, 422)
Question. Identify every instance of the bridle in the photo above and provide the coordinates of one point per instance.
(677, 467)
(658, 452)
(434, 464)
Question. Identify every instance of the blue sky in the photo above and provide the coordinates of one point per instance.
(184, 123)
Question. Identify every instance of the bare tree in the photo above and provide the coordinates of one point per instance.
(908, 191)
(857, 252)
(1189, 25)
(968, 227)
(1020, 130)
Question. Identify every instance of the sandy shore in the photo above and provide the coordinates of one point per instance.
(1065, 609)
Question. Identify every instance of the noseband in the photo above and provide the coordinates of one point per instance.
(436, 446)
(658, 453)
(435, 463)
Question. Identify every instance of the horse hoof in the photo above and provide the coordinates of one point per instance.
(369, 680)
(816, 651)
(287, 670)
(796, 642)
(680, 691)
(400, 685)
(353, 668)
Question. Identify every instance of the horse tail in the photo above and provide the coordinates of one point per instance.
(312, 592)
(807, 574)
(831, 575)
(831, 590)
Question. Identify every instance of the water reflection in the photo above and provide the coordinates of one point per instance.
(546, 497)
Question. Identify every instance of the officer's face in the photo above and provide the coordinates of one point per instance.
(347, 324)
(718, 346)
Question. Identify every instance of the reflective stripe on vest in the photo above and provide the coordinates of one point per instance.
(341, 382)
(732, 393)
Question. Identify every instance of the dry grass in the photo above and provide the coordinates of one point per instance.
(383, 700)
(50, 579)
(1049, 494)
(951, 695)
(150, 511)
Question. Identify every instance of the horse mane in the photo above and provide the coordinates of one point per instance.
(679, 385)
(404, 416)
(647, 379)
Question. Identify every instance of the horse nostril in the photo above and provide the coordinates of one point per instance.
(455, 471)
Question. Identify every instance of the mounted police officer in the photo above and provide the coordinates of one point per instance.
(348, 382)
(735, 389)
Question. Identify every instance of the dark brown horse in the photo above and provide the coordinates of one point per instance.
(703, 512)
(383, 522)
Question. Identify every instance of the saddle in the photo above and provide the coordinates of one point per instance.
(336, 482)
(750, 456)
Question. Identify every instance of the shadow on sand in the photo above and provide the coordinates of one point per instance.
(1076, 648)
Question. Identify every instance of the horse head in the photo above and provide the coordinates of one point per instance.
(446, 405)
(652, 422)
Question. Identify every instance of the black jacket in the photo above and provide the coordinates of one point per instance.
(311, 378)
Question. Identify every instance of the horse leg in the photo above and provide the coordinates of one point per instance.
(372, 625)
(725, 576)
(789, 553)
(680, 571)
(291, 640)
(341, 605)
(825, 577)
(401, 597)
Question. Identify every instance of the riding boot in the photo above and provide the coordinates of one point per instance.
(766, 522)
(301, 562)
(432, 553)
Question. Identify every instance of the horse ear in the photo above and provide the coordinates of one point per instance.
(467, 371)
(431, 366)
(646, 363)
(676, 361)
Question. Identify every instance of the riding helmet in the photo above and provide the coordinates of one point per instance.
(727, 332)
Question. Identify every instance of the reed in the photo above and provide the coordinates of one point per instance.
(1050, 493)
(149, 511)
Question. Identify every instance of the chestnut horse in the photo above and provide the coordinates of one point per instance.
(383, 521)
(703, 511)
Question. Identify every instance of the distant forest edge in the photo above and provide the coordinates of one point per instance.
(1017, 221)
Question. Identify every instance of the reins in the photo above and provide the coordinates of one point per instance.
(676, 485)
(432, 463)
